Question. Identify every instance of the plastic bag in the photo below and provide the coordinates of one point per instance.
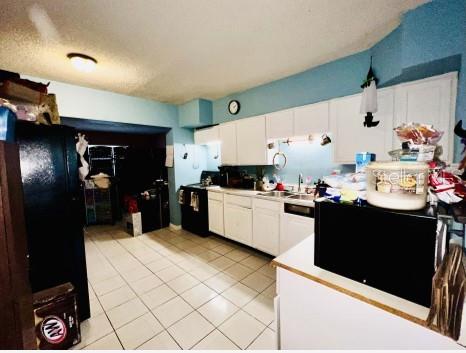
(418, 134)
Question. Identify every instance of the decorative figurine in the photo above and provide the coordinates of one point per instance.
(369, 98)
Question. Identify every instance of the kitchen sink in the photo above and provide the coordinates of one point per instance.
(302, 197)
(277, 193)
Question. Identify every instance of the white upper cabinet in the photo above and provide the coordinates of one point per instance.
(311, 119)
(429, 101)
(252, 142)
(227, 135)
(280, 124)
(350, 136)
(244, 142)
(205, 136)
(300, 121)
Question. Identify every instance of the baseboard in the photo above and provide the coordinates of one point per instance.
(175, 227)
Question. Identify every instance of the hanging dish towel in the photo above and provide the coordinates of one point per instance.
(81, 147)
(195, 201)
(181, 197)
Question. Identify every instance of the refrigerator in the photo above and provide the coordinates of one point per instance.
(54, 209)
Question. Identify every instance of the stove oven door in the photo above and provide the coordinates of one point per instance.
(196, 222)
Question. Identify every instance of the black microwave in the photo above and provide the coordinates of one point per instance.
(393, 251)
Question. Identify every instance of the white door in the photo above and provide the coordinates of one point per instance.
(252, 142)
(430, 101)
(238, 223)
(216, 216)
(350, 136)
(266, 230)
(280, 124)
(311, 119)
(227, 135)
(294, 230)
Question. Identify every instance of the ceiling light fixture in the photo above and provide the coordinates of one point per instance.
(82, 62)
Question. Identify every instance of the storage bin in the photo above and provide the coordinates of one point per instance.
(397, 185)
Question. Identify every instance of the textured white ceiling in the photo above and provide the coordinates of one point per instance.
(177, 50)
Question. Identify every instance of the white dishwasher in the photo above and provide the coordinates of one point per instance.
(297, 223)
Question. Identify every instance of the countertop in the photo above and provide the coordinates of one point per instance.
(300, 260)
(256, 194)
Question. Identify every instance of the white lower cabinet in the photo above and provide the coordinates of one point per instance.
(216, 213)
(238, 223)
(266, 226)
(256, 222)
(294, 229)
(314, 316)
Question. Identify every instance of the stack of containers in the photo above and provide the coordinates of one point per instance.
(403, 183)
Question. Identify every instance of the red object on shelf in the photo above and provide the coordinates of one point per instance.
(131, 204)
(280, 187)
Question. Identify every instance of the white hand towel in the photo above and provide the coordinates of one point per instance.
(195, 201)
(181, 197)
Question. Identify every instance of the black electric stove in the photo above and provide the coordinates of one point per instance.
(196, 219)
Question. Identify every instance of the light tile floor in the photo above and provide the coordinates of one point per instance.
(175, 290)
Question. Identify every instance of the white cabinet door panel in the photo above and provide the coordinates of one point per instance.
(312, 118)
(280, 124)
(266, 230)
(351, 136)
(294, 229)
(238, 223)
(227, 134)
(430, 101)
(216, 216)
(251, 140)
(205, 136)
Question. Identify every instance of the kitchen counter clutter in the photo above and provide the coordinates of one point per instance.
(311, 300)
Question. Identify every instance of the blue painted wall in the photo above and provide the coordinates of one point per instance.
(336, 79)
(195, 113)
(433, 31)
(431, 40)
(310, 159)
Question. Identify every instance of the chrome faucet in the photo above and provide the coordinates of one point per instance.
(300, 180)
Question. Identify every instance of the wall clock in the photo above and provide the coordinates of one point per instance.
(233, 107)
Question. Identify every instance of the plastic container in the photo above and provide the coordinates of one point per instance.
(7, 124)
(397, 185)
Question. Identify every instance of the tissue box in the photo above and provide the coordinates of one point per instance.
(134, 224)
(362, 160)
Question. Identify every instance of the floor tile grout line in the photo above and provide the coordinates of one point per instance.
(150, 310)
(105, 312)
(179, 294)
(255, 339)
(241, 309)
(137, 295)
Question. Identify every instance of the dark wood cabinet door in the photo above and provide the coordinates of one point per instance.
(16, 312)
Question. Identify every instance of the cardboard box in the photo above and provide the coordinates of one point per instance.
(56, 318)
(134, 224)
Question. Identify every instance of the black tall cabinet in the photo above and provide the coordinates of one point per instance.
(53, 209)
